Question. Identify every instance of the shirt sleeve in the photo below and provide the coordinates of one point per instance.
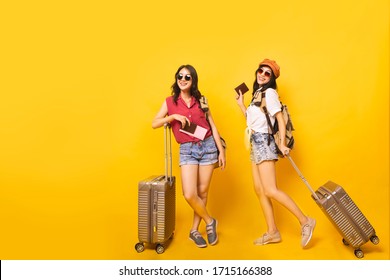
(272, 101)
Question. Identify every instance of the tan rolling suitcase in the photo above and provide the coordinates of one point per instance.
(156, 205)
(343, 213)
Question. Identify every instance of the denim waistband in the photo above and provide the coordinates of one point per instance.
(200, 142)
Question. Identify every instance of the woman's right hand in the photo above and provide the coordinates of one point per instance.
(182, 119)
(161, 118)
(240, 98)
(240, 102)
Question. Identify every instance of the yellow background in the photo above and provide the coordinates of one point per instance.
(82, 80)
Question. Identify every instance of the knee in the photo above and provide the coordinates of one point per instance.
(270, 193)
(203, 193)
(265, 192)
(189, 196)
(259, 191)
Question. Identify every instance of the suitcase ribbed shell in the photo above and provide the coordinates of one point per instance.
(156, 209)
(344, 214)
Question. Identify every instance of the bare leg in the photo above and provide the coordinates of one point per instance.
(204, 179)
(267, 173)
(189, 175)
(265, 202)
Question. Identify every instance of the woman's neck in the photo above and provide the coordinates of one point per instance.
(186, 97)
(185, 94)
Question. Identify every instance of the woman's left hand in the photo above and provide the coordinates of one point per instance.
(222, 160)
(284, 149)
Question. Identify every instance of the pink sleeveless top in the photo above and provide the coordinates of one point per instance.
(194, 113)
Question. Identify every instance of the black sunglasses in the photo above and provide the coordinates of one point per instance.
(186, 77)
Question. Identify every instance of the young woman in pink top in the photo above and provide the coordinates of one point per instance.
(198, 156)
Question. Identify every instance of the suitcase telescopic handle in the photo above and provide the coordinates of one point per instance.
(302, 177)
(168, 151)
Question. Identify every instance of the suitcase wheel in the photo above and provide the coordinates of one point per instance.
(345, 242)
(359, 253)
(374, 239)
(160, 249)
(139, 247)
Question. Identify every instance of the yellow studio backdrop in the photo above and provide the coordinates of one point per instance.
(81, 82)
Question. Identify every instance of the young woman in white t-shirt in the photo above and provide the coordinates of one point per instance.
(263, 153)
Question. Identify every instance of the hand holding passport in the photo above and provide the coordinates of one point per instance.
(243, 88)
(194, 130)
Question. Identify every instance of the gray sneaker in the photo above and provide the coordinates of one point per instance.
(211, 229)
(307, 231)
(198, 239)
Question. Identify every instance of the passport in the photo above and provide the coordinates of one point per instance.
(241, 87)
(194, 130)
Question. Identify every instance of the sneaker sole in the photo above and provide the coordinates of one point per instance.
(268, 242)
(199, 246)
(215, 242)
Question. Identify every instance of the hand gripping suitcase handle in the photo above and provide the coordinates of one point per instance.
(302, 177)
(168, 151)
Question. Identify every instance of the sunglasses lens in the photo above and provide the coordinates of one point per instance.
(266, 73)
(186, 77)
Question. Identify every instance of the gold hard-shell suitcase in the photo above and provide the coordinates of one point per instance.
(156, 205)
(343, 213)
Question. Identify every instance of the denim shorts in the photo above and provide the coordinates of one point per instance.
(260, 150)
(200, 153)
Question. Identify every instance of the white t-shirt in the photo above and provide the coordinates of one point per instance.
(255, 118)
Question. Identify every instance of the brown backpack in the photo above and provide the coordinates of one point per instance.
(274, 129)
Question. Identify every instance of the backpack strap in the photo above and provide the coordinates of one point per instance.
(263, 107)
(204, 104)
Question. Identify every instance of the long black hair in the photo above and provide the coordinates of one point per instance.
(271, 83)
(194, 91)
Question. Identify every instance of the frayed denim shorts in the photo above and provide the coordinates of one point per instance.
(200, 153)
(260, 150)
